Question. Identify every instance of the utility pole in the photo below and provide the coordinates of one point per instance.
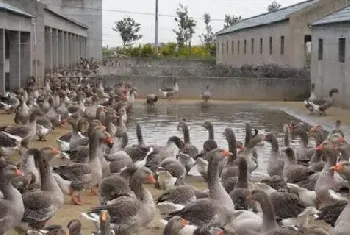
(156, 30)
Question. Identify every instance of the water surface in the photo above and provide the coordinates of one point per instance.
(160, 123)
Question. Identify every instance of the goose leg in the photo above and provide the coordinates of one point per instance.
(93, 192)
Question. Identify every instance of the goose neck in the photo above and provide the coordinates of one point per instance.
(213, 174)
(48, 182)
(248, 135)
(211, 132)
(274, 144)
(9, 191)
(186, 134)
(268, 213)
(286, 138)
(232, 147)
(94, 148)
(137, 187)
(242, 181)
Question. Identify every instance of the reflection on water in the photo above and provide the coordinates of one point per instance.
(159, 123)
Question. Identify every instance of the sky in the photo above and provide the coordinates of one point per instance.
(143, 12)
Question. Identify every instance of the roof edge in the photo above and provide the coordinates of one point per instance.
(14, 11)
(331, 13)
(66, 18)
(266, 13)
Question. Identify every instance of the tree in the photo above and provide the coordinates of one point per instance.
(274, 6)
(128, 29)
(207, 37)
(185, 26)
(231, 20)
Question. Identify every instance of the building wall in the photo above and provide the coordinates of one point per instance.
(238, 58)
(88, 12)
(329, 73)
(294, 30)
(223, 88)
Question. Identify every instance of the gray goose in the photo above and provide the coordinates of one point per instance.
(130, 215)
(218, 206)
(174, 226)
(81, 175)
(342, 224)
(238, 194)
(275, 163)
(189, 149)
(206, 95)
(22, 113)
(11, 204)
(210, 144)
(41, 205)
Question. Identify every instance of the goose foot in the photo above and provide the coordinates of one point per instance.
(93, 192)
(76, 200)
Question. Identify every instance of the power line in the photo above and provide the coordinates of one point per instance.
(130, 12)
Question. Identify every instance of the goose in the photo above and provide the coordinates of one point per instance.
(249, 152)
(218, 208)
(238, 194)
(131, 215)
(189, 149)
(292, 172)
(43, 127)
(22, 113)
(71, 139)
(41, 205)
(230, 169)
(11, 204)
(341, 225)
(81, 175)
(9, 103)
(73, 228)
(151, 99)
(275, 163)
(206, 95)
(268, 225)
(170, 91)
(210, 144)
(337, 129)
(174, 226)
(304, 153)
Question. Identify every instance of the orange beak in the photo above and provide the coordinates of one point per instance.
(150, 179)
(109, 140)
(19, 173)
(103, 215)
(184, 222)
(341, 139)
(55, 151)
(320, 147)
(226, 153)
(338, 167)
(220, 233)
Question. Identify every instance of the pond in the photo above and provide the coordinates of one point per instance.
(160, 123)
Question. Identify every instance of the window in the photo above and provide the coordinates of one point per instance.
(282, 45)
(232, 47)
(245, 46)
(270, 45)
(223, 48)
(238, 47)
(227, 47)
(341, 52)
(320, 49)
(252, 45)
(261, 45)
(218, 48)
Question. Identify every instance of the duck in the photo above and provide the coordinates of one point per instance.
(11, 204)
(170, 91)
(41, 205)
(151, 99)
(315, 105)
(206, 95)
(131, 215)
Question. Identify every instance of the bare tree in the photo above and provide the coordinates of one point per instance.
(274, 6)
(231, 20)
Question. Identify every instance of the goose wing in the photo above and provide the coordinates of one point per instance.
(7, 141)
(74, 172)
(38, 207)
(21, 131)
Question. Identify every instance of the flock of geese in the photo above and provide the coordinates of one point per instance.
(302, 185)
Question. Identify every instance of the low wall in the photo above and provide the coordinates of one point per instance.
(222, 88)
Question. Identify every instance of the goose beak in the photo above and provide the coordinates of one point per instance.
(220, 232)
(55, 151)
(150, 179)
(109, 140)
(19, 173)
(341, 139)
(184, 222)
(104, 215)
(226, 153)
(338, 167)
(320, 147)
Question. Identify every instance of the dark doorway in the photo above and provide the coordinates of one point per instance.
(307, 46)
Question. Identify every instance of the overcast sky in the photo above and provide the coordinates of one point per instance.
(142, 11)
